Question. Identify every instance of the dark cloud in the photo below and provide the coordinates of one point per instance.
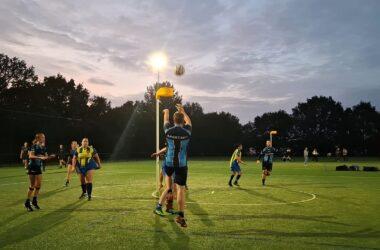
(100, 81)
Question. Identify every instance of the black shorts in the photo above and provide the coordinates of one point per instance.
(180, 174)
(34, 170)
(267, 166)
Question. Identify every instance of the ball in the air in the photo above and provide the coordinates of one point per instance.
(179, 70)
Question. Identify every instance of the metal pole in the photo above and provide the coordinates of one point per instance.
(157, 145)
(270, 137)
(157, 138)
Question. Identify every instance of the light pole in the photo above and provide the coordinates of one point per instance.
(158, 61)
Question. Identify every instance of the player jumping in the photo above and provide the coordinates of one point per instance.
(234, 164)
(177, 141)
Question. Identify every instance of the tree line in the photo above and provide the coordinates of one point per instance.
(64, 110)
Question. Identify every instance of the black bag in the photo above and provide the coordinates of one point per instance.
(341, 168)
(370, 168)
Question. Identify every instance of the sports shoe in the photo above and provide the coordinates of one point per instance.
(230, 184)
(159, 211)
(28, 206)
(181, 221)
(89, 198)
(35, 204)
(236, 183)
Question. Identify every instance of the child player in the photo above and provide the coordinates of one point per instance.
(234, 164)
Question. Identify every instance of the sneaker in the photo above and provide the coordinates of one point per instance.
(35, 204)
(89, 198)
(230, 184)
(28, 206)
(236, 183)
(181, 221)
(159, 211)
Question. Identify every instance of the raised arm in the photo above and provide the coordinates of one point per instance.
(185, 116)
(166, 116)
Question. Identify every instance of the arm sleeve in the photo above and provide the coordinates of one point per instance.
(166, 127)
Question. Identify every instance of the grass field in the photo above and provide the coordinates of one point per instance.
(310, 207)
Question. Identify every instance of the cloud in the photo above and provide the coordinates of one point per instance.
(247, 52)
(100, 81)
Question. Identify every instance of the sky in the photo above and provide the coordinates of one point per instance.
(244, 57)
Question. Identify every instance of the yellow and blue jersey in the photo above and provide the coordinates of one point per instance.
(236, 154)
(177, 143)
(85, 155)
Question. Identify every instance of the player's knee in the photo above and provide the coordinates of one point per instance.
(37, 187)
(31, 188)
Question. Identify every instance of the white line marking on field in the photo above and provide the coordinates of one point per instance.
(313, 197)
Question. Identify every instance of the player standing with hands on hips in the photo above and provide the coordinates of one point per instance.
(177, 143)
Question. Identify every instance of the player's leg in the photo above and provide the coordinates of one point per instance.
(82, 183)
(89, 177)
(168, 183)
(70, 170)
(233, 174)
(30, 192)
(239, 173)
(180, 180)
(37, 187)
(161, 179)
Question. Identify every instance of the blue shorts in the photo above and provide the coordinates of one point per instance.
(235, 167)
(89, 166)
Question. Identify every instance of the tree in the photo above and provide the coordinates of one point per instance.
(318, 123)
(15, 73)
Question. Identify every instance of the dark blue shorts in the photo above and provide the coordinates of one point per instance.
(235, 167)
(89, 166)
(180, 174)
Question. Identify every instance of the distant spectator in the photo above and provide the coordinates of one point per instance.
(61, 156)
(337, 153)
(315, 154)
(344, 154)
(306, 156)
(24, 154)
(252, 151)
(288, 155)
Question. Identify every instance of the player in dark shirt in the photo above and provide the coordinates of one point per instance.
(71, 168)
(267, 155)
(37, 155)
(177, 142)
(24, 154)
(61, 156)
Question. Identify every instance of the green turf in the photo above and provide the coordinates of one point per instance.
(282, 215)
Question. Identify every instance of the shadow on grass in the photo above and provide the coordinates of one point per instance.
(319, 219)
(267, 196)
(43, 195)
(24, 174)
(364, 233)
(36, 226)
(196, 209)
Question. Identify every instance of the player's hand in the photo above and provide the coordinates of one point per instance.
(180, 108)
(153, 155)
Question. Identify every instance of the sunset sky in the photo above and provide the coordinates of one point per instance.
(245, 57)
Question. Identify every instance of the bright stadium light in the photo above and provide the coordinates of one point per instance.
(158, 62)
